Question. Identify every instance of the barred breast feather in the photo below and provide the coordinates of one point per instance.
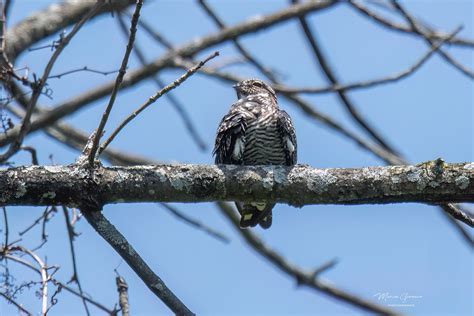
(256, 132)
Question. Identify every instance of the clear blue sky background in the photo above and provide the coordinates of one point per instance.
(404, 248)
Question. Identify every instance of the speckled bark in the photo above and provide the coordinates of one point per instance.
(431, 182)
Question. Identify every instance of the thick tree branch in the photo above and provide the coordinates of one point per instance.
(430, 182)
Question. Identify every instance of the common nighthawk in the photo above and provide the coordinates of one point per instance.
(255, 132)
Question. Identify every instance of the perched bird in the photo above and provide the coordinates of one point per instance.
(255, 132)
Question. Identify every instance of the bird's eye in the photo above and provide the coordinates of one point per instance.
(257, 84)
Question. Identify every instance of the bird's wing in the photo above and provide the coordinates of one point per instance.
(230, 139)
(288, 136)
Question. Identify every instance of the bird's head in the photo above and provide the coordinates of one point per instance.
(249, 87)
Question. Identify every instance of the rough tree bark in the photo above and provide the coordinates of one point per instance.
(74, 185)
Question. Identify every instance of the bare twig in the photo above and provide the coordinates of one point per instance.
(196, 224)
(84, 297)
(86, 69)
(458, 214)
(3, 27)
(32, 151)
(302, 277)
(374, 82)
(75, 275)
(17, 305)
(118, 82)
(252, 60)
(331, 77)
(42, 82)
(43, 270)
(7, 7)
(122, 288)
(76, 139)
(434, 35)
(48, 210)
(155, 97)
(458, 226)
(323, 268)
(417, 29)
(6, 231)
(188, 123)
(115, 239)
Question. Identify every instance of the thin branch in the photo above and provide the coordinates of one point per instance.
(417, 29)
(196, 224)
(155, 97)
(122, 288)
(46, 213)
(75, 275)
(43, 270)
(86, 69)
(118, 82)
(446, 210)
(459, 214)
(302, 277)
(6, 231)
(374, 82)
(323, 268)
(115, 239)
(77, 139)
(7, 7)
(17, 305)
(176, 104)
(252, 60)
(331, 77)
(16, 144)
(32, 151)
(44, 23)
(83, 297)
(3, 27)
(434, 35)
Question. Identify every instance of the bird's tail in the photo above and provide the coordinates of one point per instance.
(255, 213)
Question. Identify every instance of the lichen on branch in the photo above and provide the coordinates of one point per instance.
(74, 185)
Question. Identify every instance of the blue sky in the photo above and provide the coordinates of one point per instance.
(396, 249)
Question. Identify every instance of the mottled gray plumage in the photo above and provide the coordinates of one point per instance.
(255, 132)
